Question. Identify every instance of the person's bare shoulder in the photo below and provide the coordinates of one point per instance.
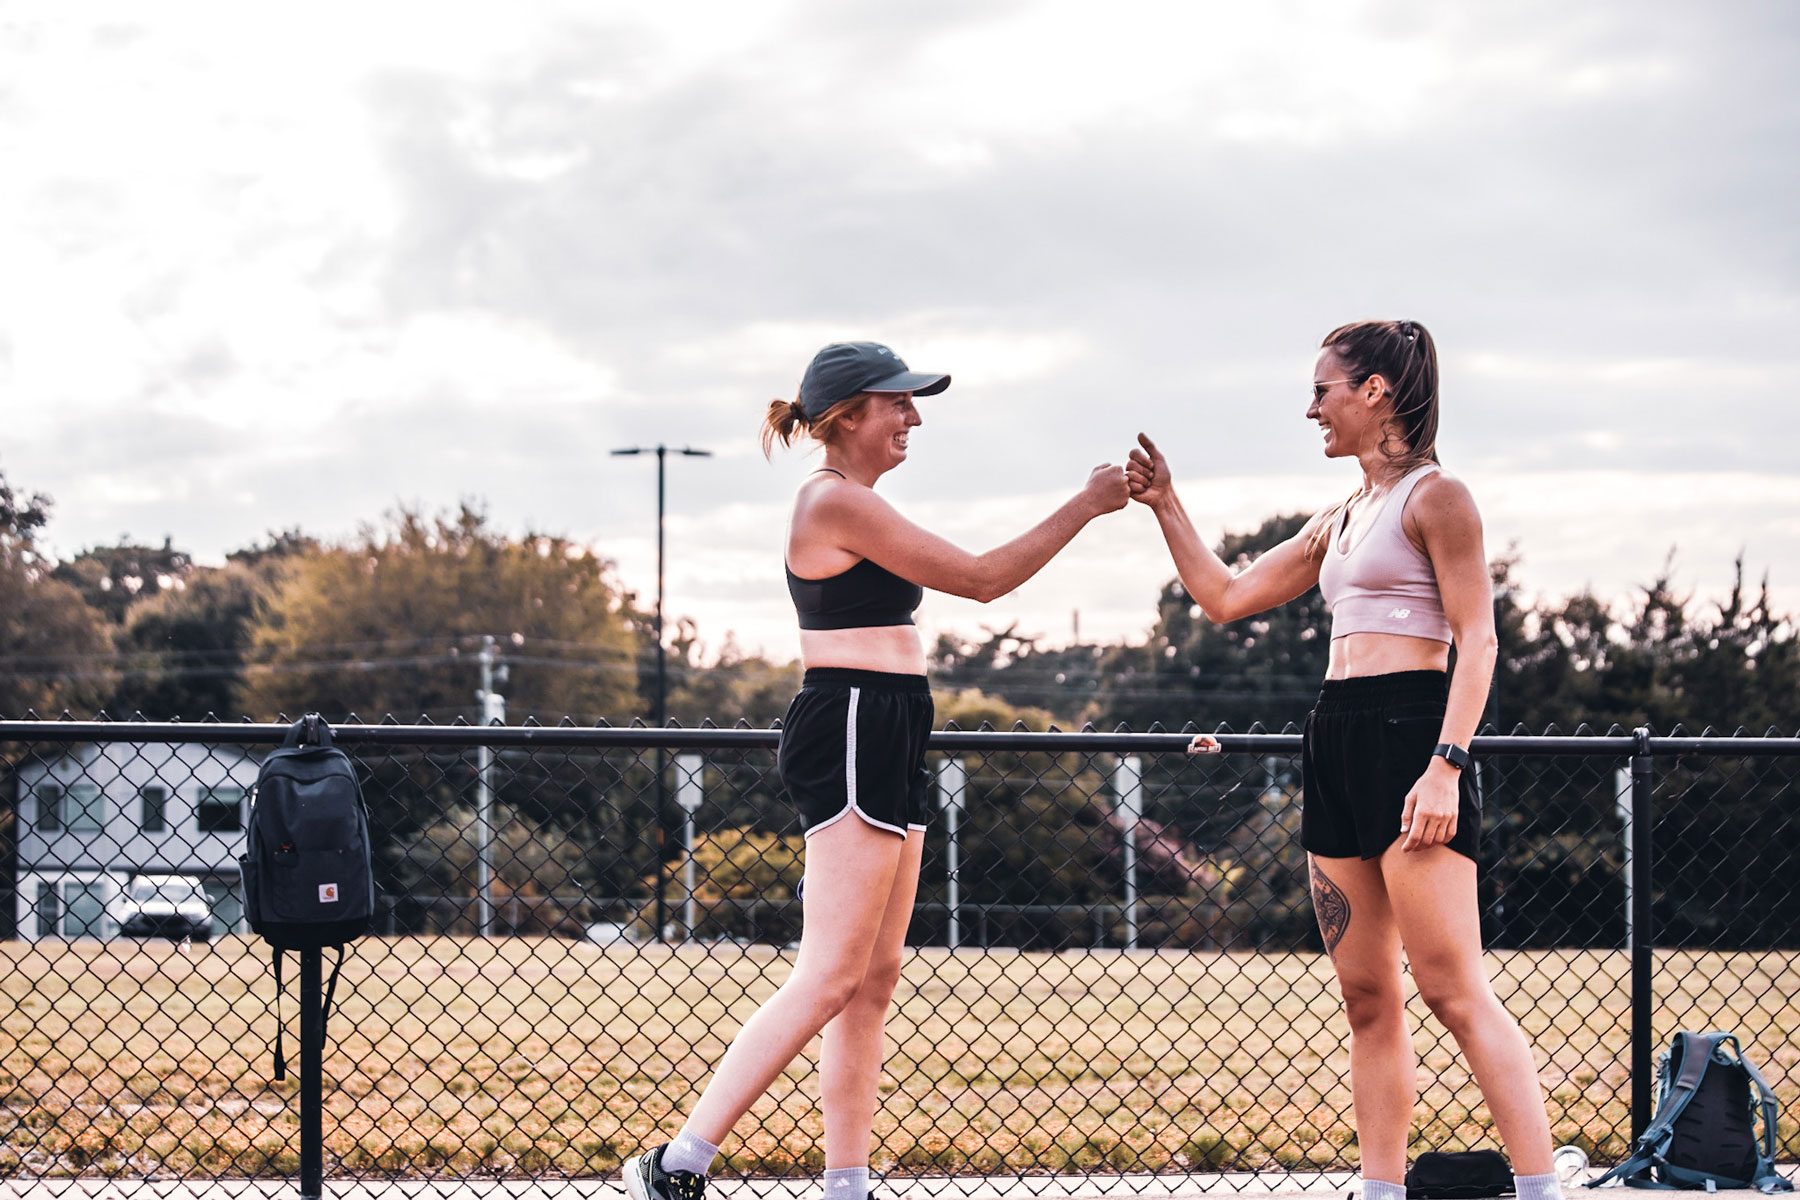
(1444, 495)
(1442, 507)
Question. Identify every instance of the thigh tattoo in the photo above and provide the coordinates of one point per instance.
(1331, 906)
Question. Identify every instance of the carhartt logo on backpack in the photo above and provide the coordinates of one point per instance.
(328, 893)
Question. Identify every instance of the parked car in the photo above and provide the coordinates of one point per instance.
(171, 906)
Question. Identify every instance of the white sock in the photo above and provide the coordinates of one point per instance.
(847, 1183)
(1380, 1189)
(1538, 1187)
(689, 1152)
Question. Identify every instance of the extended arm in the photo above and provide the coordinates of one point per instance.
(863, 523)
(1280, 575)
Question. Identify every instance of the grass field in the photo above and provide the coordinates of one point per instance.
(458, 1057)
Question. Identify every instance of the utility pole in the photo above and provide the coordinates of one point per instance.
(660, 710)
(493, 709)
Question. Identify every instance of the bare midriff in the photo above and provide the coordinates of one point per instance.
(896, 649)
(1358, 654)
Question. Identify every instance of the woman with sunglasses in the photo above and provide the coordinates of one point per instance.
(1391, 820)
(853, 753)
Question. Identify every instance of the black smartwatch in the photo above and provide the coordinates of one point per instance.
(1456, 756)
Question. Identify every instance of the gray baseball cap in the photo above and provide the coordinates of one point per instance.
(843, 369)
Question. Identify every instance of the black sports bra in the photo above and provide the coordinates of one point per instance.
(868, 594)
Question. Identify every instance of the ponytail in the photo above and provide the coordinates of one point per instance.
(782, 423)
(785, 419)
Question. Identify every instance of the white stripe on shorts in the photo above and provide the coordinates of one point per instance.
(850, 748)
(850, 778)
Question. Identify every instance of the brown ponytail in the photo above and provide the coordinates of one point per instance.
(1403, 354)
(782, 422)
(785, 419)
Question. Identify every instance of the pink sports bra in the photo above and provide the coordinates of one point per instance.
(1382, 583)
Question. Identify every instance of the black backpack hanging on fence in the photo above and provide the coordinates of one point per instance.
(308, 879)
(1704, 1131)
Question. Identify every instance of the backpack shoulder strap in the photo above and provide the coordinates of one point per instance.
(1688, 1056)
(280, 1060)
(331, 987)
(1767, 1179)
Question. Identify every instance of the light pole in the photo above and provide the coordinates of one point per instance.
(660, 715)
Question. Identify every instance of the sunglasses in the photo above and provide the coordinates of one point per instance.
(1320, 388)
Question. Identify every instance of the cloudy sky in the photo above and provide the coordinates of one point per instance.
(268, 266)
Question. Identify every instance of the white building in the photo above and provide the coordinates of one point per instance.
(94, 816)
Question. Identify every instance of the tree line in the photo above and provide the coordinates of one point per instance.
(388, 621)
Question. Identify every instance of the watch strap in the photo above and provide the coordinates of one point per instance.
(1456, 756)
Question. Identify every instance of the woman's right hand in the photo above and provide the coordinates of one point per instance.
(1107, 489)
(1149, 473)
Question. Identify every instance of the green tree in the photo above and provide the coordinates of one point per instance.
(1019, 669)
(112, 578)
(1037, 829)
(182, 649)
(1263, 669)
(539, 873)
(55, 649)
(744, 886)
(21, 514)
(388, 624)
(735, 687)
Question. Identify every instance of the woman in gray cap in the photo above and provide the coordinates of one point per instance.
(853, 752)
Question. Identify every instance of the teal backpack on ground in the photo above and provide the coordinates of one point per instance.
(1704, 1132)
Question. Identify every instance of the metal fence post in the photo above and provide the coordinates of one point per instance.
(312, 1074)
(952, 782)
(661, 794)
(1128, 784)
(688, 794)
(1622, 803)
(1642, 937)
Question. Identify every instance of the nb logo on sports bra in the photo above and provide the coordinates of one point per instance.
(1400, 614)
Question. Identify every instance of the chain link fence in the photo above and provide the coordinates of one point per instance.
(1114, 965)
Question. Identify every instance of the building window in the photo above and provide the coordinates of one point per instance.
(155, 808)
(49, 807)
(49, 910)
(86, 909)
(221, 809)
(85, 807)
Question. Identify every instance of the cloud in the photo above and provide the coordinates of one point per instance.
(450, 257)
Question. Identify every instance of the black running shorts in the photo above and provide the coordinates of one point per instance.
(1367, 742)
(854, 742)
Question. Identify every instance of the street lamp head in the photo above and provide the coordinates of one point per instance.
(693, 453)
(630, 450)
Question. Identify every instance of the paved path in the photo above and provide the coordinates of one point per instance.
(1150, 1187)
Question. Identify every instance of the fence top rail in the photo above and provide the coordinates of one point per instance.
(646, 738)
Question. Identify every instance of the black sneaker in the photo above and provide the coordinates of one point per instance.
(645, 1179)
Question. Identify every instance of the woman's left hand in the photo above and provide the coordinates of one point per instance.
(1429, 818)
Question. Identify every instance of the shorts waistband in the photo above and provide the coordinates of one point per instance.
(1366, 690)
(848, 677)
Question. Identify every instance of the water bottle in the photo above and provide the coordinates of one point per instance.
(1571, 1164)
